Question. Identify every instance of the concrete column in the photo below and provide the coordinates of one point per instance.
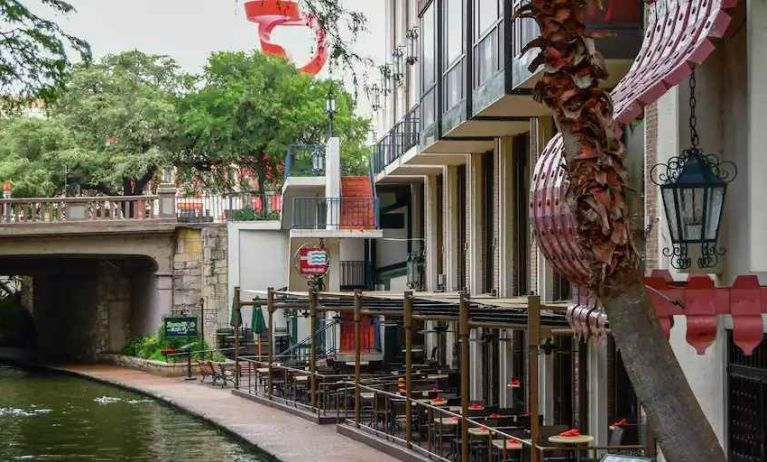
(333, 181)
(477, 369)
(598, 392)
(167, 194)
(757, 137)
(432, 240)
(506, 210)
(162, 301)
(546, 383)
(450, 223)
(474, 205)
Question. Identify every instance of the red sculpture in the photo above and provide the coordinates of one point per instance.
(269, 14)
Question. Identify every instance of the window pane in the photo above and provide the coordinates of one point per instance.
(715, 202)
(454, 29)
(487, 15)
(428, 44)
(668, 203)
(691, 211)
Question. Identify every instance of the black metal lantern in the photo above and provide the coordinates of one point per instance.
(693, 189)
(331, 110)
(398, 58)
(386, 78)
(374, 95)
(412, 45)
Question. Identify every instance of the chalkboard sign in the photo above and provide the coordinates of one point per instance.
(617, 458)
(180, 326)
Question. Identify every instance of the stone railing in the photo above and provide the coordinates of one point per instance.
(88, 209)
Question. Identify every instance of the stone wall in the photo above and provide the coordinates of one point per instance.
(200, 273)
(113, 309)
(215, 280)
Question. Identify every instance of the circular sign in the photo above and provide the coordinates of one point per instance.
(312, 261)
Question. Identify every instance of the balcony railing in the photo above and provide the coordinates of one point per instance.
(228, 207)
(305, 160)
(79, 209)
(401, 138)
(356, 275)
(335, 213)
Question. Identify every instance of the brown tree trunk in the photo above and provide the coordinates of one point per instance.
(594, 155)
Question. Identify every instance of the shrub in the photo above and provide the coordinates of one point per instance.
(152, 346)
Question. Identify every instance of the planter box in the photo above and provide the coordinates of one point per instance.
(148, 365)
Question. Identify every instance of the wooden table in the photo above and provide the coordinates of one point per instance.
(572, 440)
(263, 370)
(454, 409)
(479, 431)
(447, 421)
(302, 378)
(367, 395)
(436, 376)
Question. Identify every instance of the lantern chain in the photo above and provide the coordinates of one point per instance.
(694, 137)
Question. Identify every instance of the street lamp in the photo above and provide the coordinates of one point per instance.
(412, 45)
(693, 189)
(331, 110)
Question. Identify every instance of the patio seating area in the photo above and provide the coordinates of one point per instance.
(418, 403)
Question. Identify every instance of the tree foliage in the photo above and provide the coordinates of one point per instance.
(33, 53)
(250, 108)
(124, 118)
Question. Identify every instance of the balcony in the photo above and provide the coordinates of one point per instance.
(482, 87)
(401, 138)
(335, 217)
(307, 160)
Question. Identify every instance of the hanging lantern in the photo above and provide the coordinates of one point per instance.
(374, 95)
(398, 57)
(386, 78)
(412, 45)
(693, 189)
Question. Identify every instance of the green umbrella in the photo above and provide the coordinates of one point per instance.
(236, 320)
(258, 326)
(257, 322)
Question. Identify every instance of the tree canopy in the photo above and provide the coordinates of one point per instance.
(33, 53)
(250, 108)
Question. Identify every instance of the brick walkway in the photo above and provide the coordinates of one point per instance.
(287, 437)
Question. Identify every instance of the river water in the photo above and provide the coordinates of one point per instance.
(52, 417)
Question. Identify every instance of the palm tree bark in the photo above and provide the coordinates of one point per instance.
(594, 162)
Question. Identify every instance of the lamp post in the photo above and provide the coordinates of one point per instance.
(398, 58)
(331, 110)
(374, 95)
(693, 189)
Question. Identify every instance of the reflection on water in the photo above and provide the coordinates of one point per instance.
(53, 417)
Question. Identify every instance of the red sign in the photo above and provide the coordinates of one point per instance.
(313, 261)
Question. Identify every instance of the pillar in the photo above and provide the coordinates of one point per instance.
(475, 198)
(506, 211)
(450, 223)
(431, 212)
(757, 138)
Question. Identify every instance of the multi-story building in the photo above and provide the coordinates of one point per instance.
(463, 139)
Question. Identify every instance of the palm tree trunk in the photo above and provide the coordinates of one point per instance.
(594, 163)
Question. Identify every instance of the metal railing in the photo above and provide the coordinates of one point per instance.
(401, 138)
(356, 275)
(300, 352)
(77, 209)
(335, 213)
(305, 160)
(250, 206)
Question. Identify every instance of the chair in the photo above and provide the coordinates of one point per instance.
(205, 372)
(225, 375)
(547, 431)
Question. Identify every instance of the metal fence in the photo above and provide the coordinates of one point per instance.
(401, 138)
(228, 207)
(356, 275)
(340, 213)
(305, 160)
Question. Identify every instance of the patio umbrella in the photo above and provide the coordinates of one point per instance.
(236, 319)
(258, 325)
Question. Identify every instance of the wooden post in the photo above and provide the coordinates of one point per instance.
(313, 346)
(357, 355)
(238, 306)
(270, 337)
(408, 323)
(533, 342)
(463, 332)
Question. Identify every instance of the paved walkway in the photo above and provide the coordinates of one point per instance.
(285, 436)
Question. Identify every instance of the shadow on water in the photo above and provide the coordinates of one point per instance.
(47, 416)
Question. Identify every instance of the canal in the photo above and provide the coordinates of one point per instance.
(53, 417)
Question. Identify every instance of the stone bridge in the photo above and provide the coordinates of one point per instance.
(101, 270)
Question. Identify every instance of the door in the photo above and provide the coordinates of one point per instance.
(747, 412)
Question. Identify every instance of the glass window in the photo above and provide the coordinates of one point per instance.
(454, 30)
(487, 14)
(428, 46)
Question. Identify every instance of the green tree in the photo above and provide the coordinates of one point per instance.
(31, 155)
(250, 108)
(33, 53)
(123, 115)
